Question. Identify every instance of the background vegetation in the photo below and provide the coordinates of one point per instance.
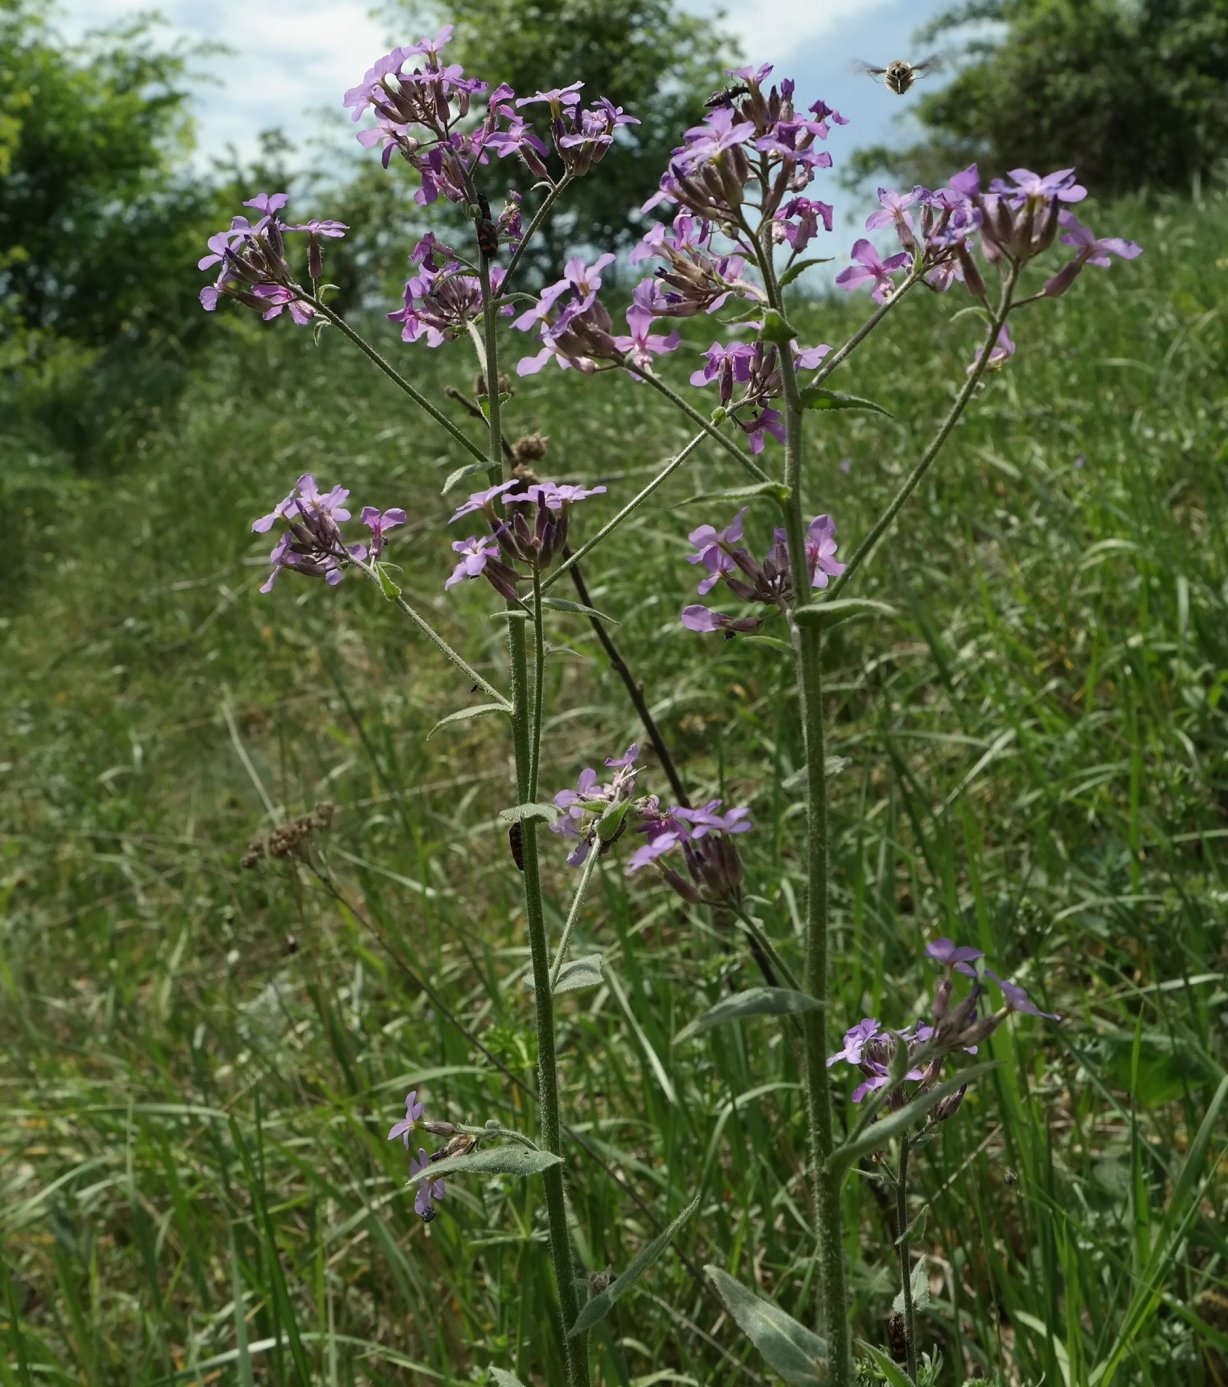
(202, 1059)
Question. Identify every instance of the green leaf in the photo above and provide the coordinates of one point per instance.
(386, 585)
(772, 642)
(520, 812)
(480, 710)
(893, 1374)
(757, 1001)
(776, 490)
(610, 824)
(776, 328)
(601, 1305)
(579, 972)
(800, 267)
(816, 397)
(789, 1348)
(842, 609)
(495, 1160)
(502, 1378)
(463, 473)
(574, 974)
(879, 1133)
(561, 604)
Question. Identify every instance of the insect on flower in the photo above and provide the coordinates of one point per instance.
(898, 76)
(488, 233)
(726, 97)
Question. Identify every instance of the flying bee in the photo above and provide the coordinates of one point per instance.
(726, 97)
(898, 76)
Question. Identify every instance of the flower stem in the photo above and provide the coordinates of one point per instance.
(808, 653)
(575, 1350)
(573, 914)
(393, 375)
(901, 1228)
(713, 432)
(910, 483)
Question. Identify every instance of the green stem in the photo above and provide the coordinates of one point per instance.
(901, 1224)
(539, 671)
(393, 375)
(420, 623)
(573, 914)
(713, 432)
(910, 483)
(808, 654)
(575, 1350)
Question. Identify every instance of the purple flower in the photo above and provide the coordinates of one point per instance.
(703, 620)
(583, 807)
(1093, 251)
(1003, 350)
(476, 554)
(313, 543)
(379, 524)
(704, 838)
(715, 549)
(413, 1111)
(707, 820)
(642, 345)
(1017, 998)
(1027, 186)
(484, 501)
(871, 267)
(957, 956)
(429, 1191)
(821, 550)
(855, 1041)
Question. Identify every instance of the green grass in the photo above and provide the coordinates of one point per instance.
(203, 1059)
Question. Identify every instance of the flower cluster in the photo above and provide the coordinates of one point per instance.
(755, 367)
(312, 543)
(531, 531)
(910, 1061)
(1015, 221)
(430, 1190)
(577, 331)
(444, 297)
(769, 582)
(596, 813)
(252, 259)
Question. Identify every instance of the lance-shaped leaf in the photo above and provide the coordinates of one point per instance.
(502, 1378)
(800, 267)
(893, 1374)
(386, 585)
(463, 473)
(512, 1159)
(789, 1348)
(600, 1305)
(563, 604)
(881, 1132)
(776, 491)
(816, 397)
(776, 328)
(481, 710)
(756, 1001)
(842, 609)
(576, 973)
(518, 812)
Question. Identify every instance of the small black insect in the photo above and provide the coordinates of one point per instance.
(515, 840)
(726, 97)
(897, 1336)
(488, 232)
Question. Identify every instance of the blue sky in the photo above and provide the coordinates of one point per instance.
(289, 62)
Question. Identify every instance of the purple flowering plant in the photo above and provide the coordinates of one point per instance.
(735, 222)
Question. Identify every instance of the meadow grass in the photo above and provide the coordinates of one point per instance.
(203, 1059)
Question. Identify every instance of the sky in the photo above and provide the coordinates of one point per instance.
(290, 61)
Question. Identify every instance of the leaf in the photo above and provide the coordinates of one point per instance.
(776, 328)
(776, 490)
(800, 267)
(817, 397)
(842, 609)
(386, 585)
(601, 1305)
(502, 1378)
(789, 1348)
(757, 1001)
(480, 710)
(879, 1133)
(772, 642)
(494, 1160)
(462, 473)
(562, 604)
(519, 812)
(893, 1374)
(576, 973)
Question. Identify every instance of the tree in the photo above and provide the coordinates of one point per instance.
(1132, 93)
(644, 55)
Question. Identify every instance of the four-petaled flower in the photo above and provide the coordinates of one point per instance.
(413, 1111)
